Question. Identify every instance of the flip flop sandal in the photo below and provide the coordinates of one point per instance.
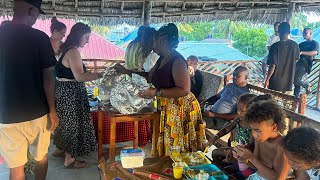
(77, 165)
(61, 155)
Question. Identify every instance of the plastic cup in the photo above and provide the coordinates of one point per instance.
(177, 170)
(175, 151)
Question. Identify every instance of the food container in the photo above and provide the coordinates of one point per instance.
(132, 158)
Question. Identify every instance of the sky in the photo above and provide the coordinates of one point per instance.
(313, 18)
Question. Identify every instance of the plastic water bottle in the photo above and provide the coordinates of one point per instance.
(95, 91)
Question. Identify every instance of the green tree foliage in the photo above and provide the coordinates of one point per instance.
(225, 28)
(101, 30)
(252, 41)
(299, 21)
(195, 31)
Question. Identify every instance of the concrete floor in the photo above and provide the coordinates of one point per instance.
(313, 114)
(57, 171)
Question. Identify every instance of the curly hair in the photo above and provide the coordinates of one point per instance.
(304, 144)
(266, 110)
(260, 98)
(57, 25)
(76, 33)
(246, 98)
(170, 31)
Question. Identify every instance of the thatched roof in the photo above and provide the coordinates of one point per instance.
(110, 12)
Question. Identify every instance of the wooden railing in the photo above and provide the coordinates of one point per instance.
(98, 65)
(224, 68)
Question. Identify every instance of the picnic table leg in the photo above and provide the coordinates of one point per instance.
(112, 139)
(155, 134)
(100, 119)
(136, 134)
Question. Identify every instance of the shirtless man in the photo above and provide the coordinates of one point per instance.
(266, 120)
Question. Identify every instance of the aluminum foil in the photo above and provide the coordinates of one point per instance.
(110, 78)
(124, 96)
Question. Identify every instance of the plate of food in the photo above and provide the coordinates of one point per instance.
(192, 158)
(206, 171)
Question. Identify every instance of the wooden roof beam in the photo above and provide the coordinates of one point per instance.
(217, 1)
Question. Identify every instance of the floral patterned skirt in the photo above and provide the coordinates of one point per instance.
(181, 125)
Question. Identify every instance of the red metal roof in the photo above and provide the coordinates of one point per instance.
(97, 48)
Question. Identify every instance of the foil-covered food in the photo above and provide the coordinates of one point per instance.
(124, 93)
(110, 78)
(124, 96)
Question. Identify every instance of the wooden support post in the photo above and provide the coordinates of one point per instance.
(290, 12)
(76, 4)
(318, 94)
(147, 12)
(54, 4)
(102, 5)
(100, 124)
(283, 15)
(303, 104)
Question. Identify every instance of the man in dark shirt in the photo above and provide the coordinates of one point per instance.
(282, 62)
(195, 75)
(27, 110)
(308, 49)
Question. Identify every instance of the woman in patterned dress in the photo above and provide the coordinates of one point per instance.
(75, 133)
(181, 122)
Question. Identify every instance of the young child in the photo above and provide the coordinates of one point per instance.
(302, 147)
(266, 120)
(242, 134)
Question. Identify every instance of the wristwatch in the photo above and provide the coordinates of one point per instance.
(158, 92)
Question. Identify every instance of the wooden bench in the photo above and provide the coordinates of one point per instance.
(289, 103)
(286, 101)
(211, 85)
(293, 120)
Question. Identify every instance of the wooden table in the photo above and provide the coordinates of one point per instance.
(148, 113)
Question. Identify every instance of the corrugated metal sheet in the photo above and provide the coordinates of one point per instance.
(216, 51)
(97, 48)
